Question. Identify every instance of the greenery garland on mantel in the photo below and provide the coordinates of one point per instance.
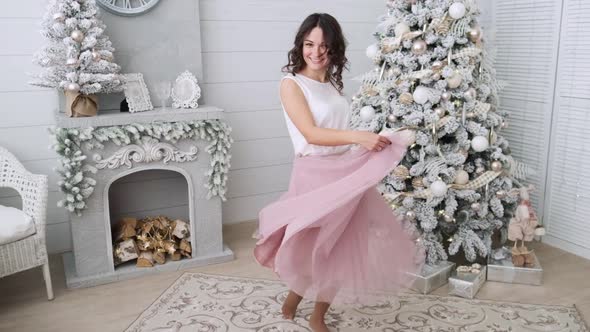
(77, 183)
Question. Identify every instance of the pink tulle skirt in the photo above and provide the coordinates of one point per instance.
(332, 237)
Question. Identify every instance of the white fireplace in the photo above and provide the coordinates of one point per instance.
(91, 262)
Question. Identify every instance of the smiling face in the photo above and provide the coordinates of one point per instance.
(315, 50)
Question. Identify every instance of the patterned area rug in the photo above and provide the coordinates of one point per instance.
(213, 303)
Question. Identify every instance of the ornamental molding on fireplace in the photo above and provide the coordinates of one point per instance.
(91, 261)
(150, 150)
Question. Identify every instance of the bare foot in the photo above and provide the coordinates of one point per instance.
(290, 305)
(318, 325)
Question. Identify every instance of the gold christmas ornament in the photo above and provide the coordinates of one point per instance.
(391, 118)
(401, 172)
(440, 112)
(406, 98)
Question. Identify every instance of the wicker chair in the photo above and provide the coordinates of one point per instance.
(30, 251)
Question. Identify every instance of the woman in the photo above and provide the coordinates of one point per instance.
(331, 237)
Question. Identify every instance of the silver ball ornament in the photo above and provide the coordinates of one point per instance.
(437, 65)
(455, 80)
(475, 206)
(367, 113)
(72, 62)
(73, 87)
(446, 95)
(77, 35)
(496, 166)
(470, 94)
(474, 34)
(411, 215)
(419, 47)
(59, 17)
(391, 118)
(95, 56)
(440, 112)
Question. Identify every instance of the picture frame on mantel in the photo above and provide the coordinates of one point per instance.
(186, 91)
(136, 93)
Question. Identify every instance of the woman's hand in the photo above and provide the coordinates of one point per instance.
(372, 141)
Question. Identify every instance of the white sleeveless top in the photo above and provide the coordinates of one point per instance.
(329, 110)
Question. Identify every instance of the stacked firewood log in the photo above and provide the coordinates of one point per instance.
(150, 240)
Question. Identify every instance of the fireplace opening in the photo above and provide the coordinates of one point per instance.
(149, 218)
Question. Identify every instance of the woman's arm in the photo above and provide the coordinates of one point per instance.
(298, 111)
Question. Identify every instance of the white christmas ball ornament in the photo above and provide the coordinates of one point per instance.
(438, 188)
(420, 95)
(496, 166)
(457, 10)
(461, 177)
(479, 143)
(372, 51)
(419, 47)
(73, 87)
(77, 35)
(401, 29)
(367, 113)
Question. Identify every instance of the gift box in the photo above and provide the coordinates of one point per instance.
(467, 284)
(432, 277)
(500, 268)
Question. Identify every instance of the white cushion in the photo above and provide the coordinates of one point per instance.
(14, 225)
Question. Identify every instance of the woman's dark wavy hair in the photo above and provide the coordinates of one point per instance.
(335, 42)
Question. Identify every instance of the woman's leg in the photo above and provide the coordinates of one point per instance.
(290, 305)
(316, 321)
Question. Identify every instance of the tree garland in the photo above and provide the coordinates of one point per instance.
(77, 183)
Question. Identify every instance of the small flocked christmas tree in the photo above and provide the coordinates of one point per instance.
(454, 187)
(79, 56)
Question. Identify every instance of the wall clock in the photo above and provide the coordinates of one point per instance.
(128, 7)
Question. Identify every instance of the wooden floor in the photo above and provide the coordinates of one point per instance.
(112, 307)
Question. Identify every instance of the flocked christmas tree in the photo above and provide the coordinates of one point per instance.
(78, 57)
(454, 187)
